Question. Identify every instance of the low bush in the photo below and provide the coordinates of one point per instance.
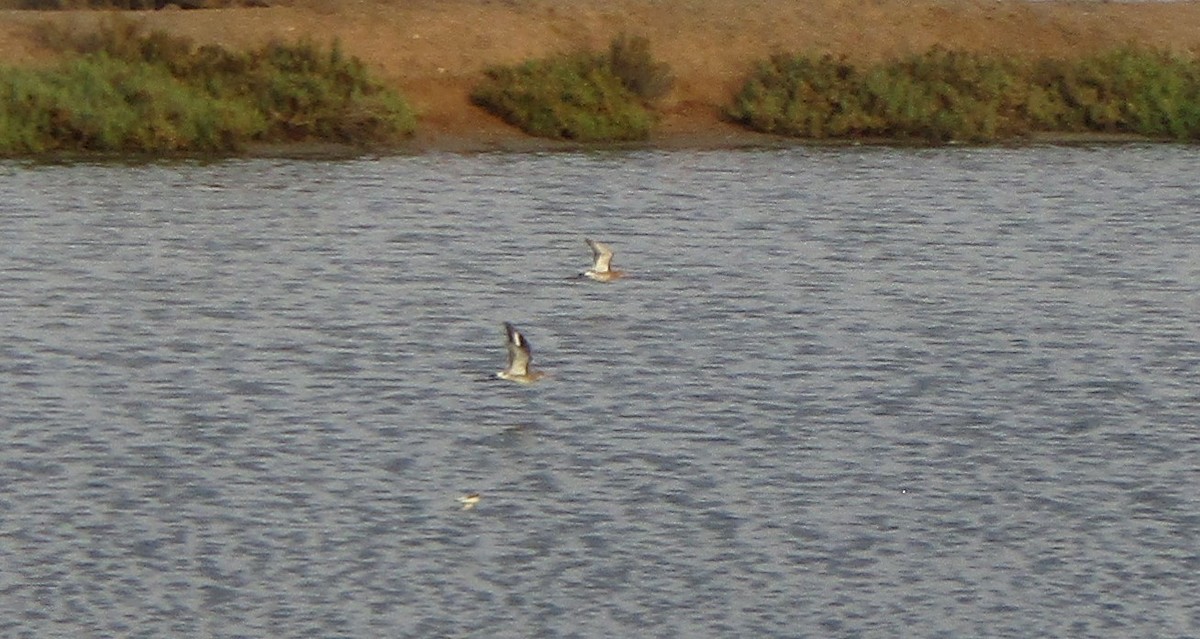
(126, 90)
(1127, 90)
(583, 96)
(102, 104)
(944, 95)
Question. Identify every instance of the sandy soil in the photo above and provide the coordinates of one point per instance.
(435, 50)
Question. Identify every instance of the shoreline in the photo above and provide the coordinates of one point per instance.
(435, 51)
(468, 144)
(472, 144)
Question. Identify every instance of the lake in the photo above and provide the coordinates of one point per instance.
(845, 392)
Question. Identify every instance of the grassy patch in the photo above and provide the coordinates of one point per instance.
(582, 96)
(128, 91)
(944, 95)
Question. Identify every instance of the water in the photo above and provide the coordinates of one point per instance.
(845, 393)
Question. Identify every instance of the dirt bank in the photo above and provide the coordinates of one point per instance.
(435, 50)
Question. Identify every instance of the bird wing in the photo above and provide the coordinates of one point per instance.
(518, 351)
(602, 255)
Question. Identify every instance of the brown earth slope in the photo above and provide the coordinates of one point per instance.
(435, 50)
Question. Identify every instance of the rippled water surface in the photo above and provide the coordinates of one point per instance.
(845, 393)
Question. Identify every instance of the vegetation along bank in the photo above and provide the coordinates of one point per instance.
(471, 74)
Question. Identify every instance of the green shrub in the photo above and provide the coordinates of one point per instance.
(945, 95)
(102, 104)
(1128, 90)
(583, 96)
(308, 93)
(572, 98)
(804, 97)
(181, 97)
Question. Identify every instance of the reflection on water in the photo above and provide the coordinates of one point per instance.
(852, 392)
